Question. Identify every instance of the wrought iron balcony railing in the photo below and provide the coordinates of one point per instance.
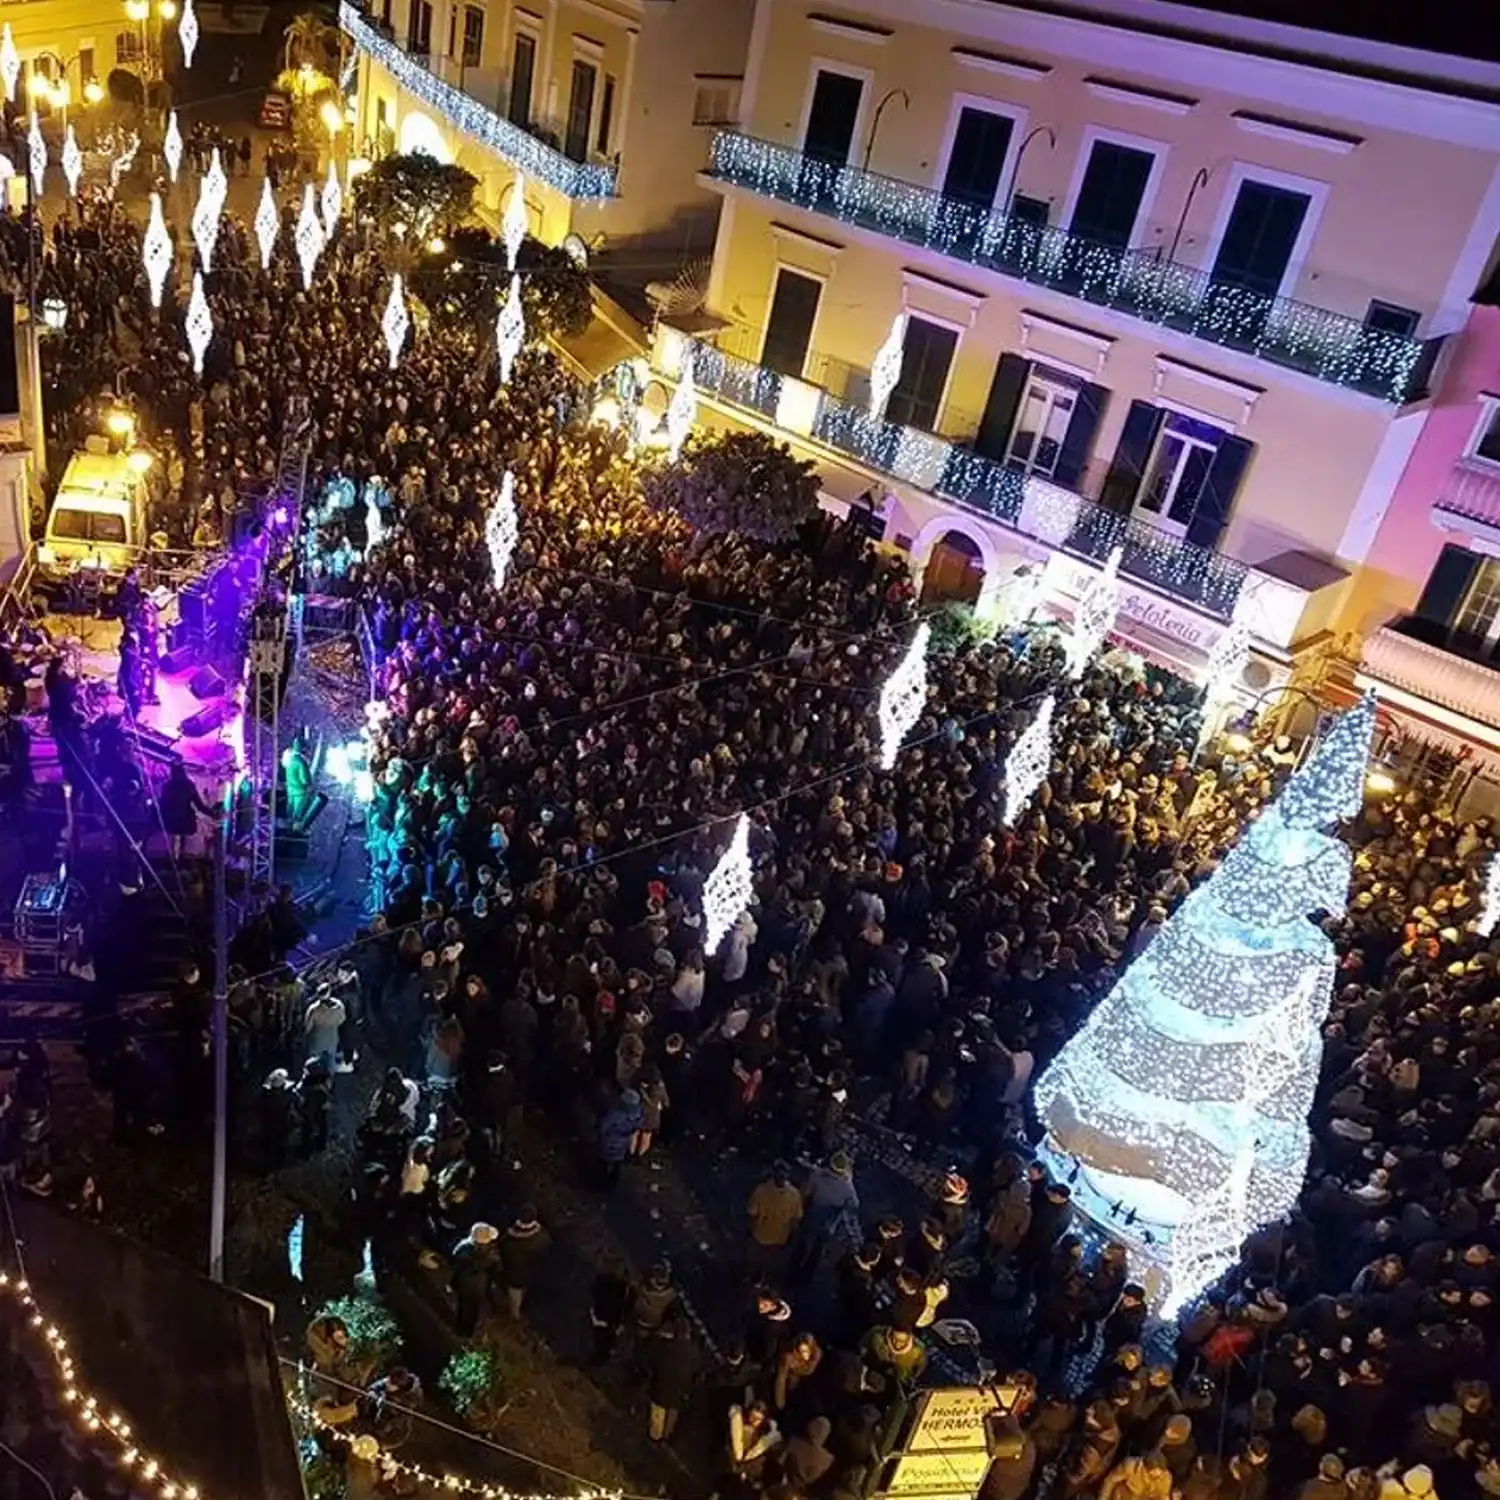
(581, 181)
(1036, 507)
(1327, 345)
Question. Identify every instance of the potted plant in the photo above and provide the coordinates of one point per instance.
(374, 1335)
(473, 1381)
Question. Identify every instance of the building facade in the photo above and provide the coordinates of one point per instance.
(1182, 294)
(605, 105)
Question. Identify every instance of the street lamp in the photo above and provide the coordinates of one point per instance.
(54, 313)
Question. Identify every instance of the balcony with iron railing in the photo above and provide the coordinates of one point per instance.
(1143, 284)
(1471, 495)
(1439, 666)
(422, 76)
(945, 466)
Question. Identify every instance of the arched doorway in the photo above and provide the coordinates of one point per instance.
(420, 133)
(955, 570)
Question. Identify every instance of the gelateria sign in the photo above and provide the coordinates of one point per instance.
(1140, 607)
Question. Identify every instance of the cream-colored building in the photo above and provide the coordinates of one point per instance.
(607, 106)
(84, 41)
(1170, 281)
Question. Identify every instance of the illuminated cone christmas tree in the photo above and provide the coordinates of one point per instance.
(1179, 1111)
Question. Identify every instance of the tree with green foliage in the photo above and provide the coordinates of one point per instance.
(465, 283)
(740, 482)
(415, 197)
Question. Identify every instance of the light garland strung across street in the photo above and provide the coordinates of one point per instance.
(902, 697)
(171, 147)
(366, 1447)
(267, 224)
(682, 411)
(36, 151)
(1094, 615)
(396, 321)
(333, 201)
(1030, 759)
(728, 889)
(199, 323)
(885, 371)
(156, 251)
(84, 1405)
(308, 237)
(502, 530)
(1489, 901)
(213, 193)
(510, 330)
(10, 63)
(72, 160)
(515, 224)
(187, 32)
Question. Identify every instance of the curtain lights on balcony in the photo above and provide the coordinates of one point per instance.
(576, 180)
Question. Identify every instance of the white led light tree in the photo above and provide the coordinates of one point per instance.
(886, 369)
(1027, 764)
(36, 153)
(1489, 901)
(902, 697)
(171, 146)
(1094, 615)
(267, 225)
(682, 410)
(510, 330)
(333, 201)
(396, 321)
(198, 323)
(10, 63)
(515, 224)
(187, 32)
(502, 530)
(728, 889)
(156, 251)
(1179, 1112)
(308, 236)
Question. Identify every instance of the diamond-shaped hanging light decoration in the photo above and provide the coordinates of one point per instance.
(124, 162)
(187, 32)
(7, 169)
(267, 224)
(36, 151)
(516, 223)
(308, 236)
(171, 146)
(886, 369)
(10, 63)
(682, 412)
(502, 530)
(510, 330)
(396, 321)
(156, 251)
(333, 200)
(213, 190)
(72, 160)
(199, 323)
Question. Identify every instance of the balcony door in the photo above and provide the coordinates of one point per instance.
(926, 359)
(522, 74)
(580, 110)
(794, 309)
(1112, 193)
(1260, 238)
(419, 27)
(832, 116)
(981, 144)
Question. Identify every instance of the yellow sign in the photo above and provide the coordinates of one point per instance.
(939, 1473)
(953, 1419)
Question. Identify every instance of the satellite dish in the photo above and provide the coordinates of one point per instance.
(576, 251)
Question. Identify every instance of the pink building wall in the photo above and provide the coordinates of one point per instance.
(1407, 544)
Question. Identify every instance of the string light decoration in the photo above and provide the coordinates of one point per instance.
(124, 162)
(1326, 345)
(7, 168)
(36, 153)
(366, 1447)
(267, 224)
(72, 160)
(108, 1427)
(187, 32)
(396, 321)
(333, 201)
(682, 410)
(10, 63)
(510, 330)
(171, 147)
(308, 237)
(1222, 671)
(213, 193)
(502, 530)
(156, 251)
(580, 181)
(1027, 764)
(1209, 1045)
(886, 369)
(515, 224)
(1489, 901)
(728, 889)
(1094, 615)
(902, 697)
(199, 323)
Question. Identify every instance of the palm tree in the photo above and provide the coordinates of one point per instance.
(310, 39)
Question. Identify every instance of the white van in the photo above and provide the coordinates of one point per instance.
(98, 519)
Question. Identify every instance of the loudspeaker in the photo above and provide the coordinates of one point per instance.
(181, 658)
(210, 718)
(192, 607)
(206, 683)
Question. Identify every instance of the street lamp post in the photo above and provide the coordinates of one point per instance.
(905, 99)
(1009, 194)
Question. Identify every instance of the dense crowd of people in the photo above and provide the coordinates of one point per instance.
(556, 770)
